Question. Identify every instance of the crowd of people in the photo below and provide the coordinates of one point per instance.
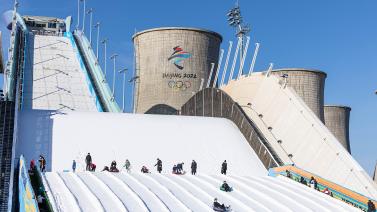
(314, 185)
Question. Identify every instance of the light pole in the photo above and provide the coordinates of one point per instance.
(235, 20)
(83, 19)
(123, 71)
(113, 57)
(97, 26)
(133, 79)
(104, 42)
(78, 14)
(90, 12)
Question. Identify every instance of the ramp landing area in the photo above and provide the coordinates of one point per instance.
(64, 137)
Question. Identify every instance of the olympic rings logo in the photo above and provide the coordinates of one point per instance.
(179, 85)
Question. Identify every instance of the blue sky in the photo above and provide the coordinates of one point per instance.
(338, 37)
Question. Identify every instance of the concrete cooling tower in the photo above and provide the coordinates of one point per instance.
(171, 64)
(308, 84)
(337, 119)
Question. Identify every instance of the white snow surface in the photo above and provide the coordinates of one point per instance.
(63, 137)
(168, 192)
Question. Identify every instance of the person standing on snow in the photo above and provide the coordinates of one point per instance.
(159, 165)
(88, 161)
(371, 206)
(32, 165)
(313, 183)
(194, 166)
(74, 166)
(42, 163)
(224, 167)
(127, 164)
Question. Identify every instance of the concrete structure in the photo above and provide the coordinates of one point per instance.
(45, 25)
(171, 63)
(308, 84)
(337, 119)
(295, 132)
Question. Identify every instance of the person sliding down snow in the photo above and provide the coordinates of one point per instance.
(220, 207)
(225, 187)
(144, 169)
(106, 168)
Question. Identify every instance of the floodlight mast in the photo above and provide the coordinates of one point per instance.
(242, 30)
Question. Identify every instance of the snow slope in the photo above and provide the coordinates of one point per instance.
(63, 137)
(168, 192)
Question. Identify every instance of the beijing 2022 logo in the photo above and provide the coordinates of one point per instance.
(178, 56)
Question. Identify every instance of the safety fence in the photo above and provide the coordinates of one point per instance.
(97, 77)
(336, 191)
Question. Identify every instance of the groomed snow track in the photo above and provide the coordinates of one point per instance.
(104, 191)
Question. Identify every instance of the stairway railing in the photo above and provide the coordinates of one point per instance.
(98, 78)
(339, 192)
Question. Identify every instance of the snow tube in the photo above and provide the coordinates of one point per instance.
(223, 189)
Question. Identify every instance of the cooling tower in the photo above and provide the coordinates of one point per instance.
(170, 65)
(337, 121)
(308, 84)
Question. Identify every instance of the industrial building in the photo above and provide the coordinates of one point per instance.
(337, 118)
(172, 63)
(58, 105)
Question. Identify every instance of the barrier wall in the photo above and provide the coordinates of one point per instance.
(26, 196)
(212, 102)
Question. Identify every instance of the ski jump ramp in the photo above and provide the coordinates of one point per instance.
(54, 78)
(295, 133)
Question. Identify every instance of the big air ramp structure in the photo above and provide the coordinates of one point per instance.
(296, 133)
(171, 64)
(308, 84)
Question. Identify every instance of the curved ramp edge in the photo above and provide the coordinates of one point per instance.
(122, 191)
(107, 198)
(64, 200)
(149, 198)
(84, 197)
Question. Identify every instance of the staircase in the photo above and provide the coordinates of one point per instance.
(6, 141)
